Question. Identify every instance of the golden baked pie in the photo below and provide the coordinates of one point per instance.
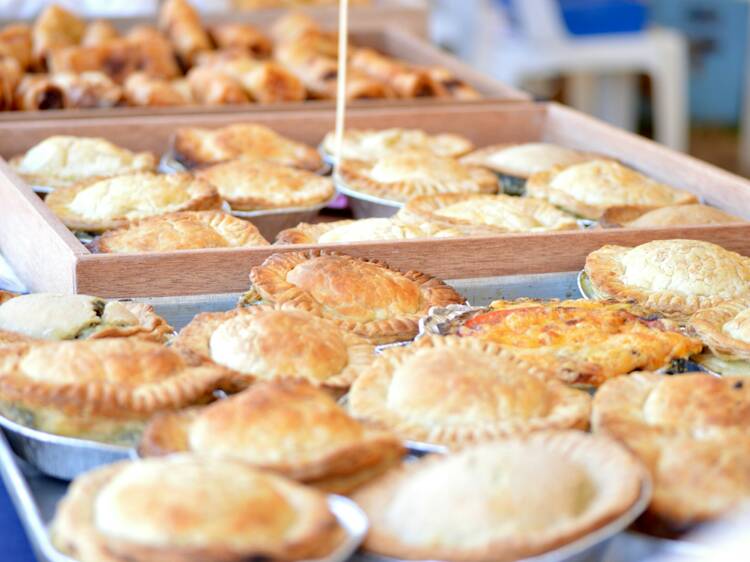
(456, 391)
(678, 215)
(500, 213)
(286, 426)
(65, 317)
(406, 174)
(370, 144)
(585, 342)
(101, 389)
(187, 230)
(268, 343)
(672, 277)
(501, 501)
(691, 431)
(590, 188)
(193, 147)
(61, 161)
(366, 297)
(99, 205)
(189, 508)
(248, 185)
(521, 160)
(725, 329)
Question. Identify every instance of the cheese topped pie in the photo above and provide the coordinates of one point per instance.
(101, 389)
(455, 391)
(98, 205)
(193, 147)
(362, 296)
(522, 160)
(61, 161)
(403, 175)
(501, 501)
(585, 342)
(64, 317)
(188, 230)
(673, 277)
(248, 185)
(286, 426)
(190, 509)
(692, 432)
(268, 343)
(724, 328)
(678, 215)
(590, 188)
(371, 144)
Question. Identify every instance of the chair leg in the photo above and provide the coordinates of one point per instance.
(670, 95)
(618, 100)
(582, 92)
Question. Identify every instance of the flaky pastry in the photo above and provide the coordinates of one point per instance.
(677, 215)
(524, 159)
(725, 328)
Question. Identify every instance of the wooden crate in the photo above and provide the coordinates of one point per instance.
(48, 257)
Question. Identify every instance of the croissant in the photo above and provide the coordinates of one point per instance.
(88, 89)
(213, 87)
(15, 42)
(10, 77)
(55, 28)
(407, 82)
(242, 37)
(447, 85)
(182, 25)
(99, 32)
(144, 90)
(38, 91)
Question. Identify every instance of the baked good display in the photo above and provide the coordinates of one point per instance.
(403, 175)
(97, 205)
(91, 89)
(142, 89)
(194, 147)
(265, 342)
(678, 215)
(184, 507)
(61, 161)
(186, 230)
(249, 185)
(366, 297)
(101, 389)
(590, 188)
(517, 498)
(457, 391)
(724, 330)
(675, 278)
(286, 426)
(691, 431)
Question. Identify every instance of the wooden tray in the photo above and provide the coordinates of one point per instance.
(47, 257)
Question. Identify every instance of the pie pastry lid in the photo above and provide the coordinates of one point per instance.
(364, 205)
(169, 164)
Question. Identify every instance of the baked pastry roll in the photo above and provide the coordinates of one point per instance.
(55, 28)
(268, 343)
(156, 56)
(101, 389)
(46, 316)
(518, 497)
(371, 145)
(678, 215)
(456, 391)
(142, 89)
(406, 81)
(10, 77)
(99, 205)
(88, 89)
(265, 81)
(15, 42)
(673, 277)
(38, 92)
(725, 329)
(590, 188)
(362, 296)
(182, 25)
(691, 431)
(256, 184)
(286, 426)
(293, 25)
(193, 147)
(448, 85)
(242, 36)
(61, 161)
(99, 32)
(401, 176)
(213, 87)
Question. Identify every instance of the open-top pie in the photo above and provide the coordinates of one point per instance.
(99, 205)
(189, 509)
(366, 297)
(677, 215)
(101, 389)
(287, 426)
(590, 188)
(692, 432)
(268, 343)
(456, 391)
(672, 277)
(501, 501)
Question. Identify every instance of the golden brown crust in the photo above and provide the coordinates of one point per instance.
(88, 89)
(16, 42)
(141, 89)
(213, 87)
(366, 297)
(99, 32)
(725, 328)
(406, 81)
(10, 78)
(678, 215)
(181, 23)
(448, 85)
(524, 159)
(38, 92)
(54, 29)
(242, 36)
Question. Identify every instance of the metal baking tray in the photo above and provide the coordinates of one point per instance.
(272, 221)
(366, 206)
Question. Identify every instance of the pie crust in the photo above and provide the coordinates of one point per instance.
(99, 205)
(366, 297)
(725, 328)
(265, 342)
(691, 431)
(672, 277)
(678, 215)
(184, 508)
(403, 175)
(501, 501)
(101, 389)
(187, 230)
(524, 159)
(457, 391)
(590, 188)
(248, 185)
(194, 147)
(286, 426)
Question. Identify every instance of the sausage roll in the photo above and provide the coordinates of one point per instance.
(182, 25)
(38, 91)
(243, 37)
(88, 89)
(144, 90)
(407, 82)
(265, 81)
(55, 28)
(99, 32)
(15, 42)
(213, 87)
(10, 77)
(447, 85)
